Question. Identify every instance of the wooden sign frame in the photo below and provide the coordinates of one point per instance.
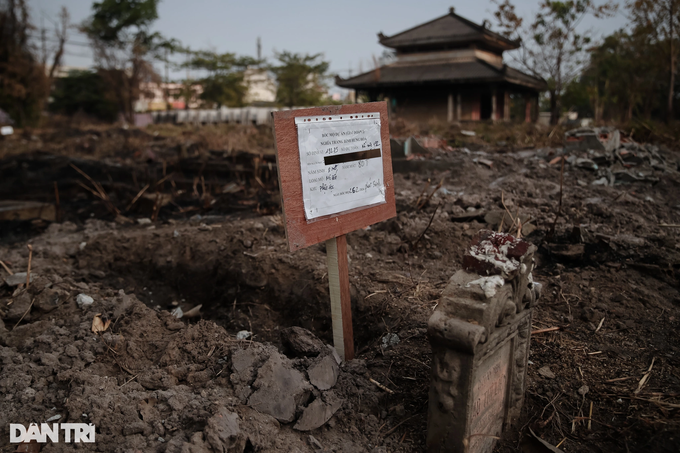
(299, 232)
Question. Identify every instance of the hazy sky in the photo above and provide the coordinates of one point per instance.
(344, 31)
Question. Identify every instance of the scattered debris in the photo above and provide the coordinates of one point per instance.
(83, 300)
(380, 386)
(99, 323)
(177, 313)
(615, 158)
(546, 372)
(18, 279)
(390, 339)
(317, 413)
(299, 342)
(194, 312)
(26, 210)
(488, 284)
(243, 335)
(324, 374)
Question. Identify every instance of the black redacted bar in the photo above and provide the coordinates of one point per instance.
(351, 157)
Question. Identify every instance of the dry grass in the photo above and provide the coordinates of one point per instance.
(507, 135)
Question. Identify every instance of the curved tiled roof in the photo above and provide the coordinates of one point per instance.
(446, 72)
(448, 29)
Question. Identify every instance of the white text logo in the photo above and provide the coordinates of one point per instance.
(73, 432)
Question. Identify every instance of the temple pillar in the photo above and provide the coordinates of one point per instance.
(450, 109)
(527, 109)
(506, 106)
(459, 108)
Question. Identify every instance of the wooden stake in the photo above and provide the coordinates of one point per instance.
(549, 329)
(56, 197)
(341, 306)
(6, 268)
(28, 272)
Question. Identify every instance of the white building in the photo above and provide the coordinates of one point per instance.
(261, 86)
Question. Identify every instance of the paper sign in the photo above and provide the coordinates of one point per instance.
(341, 163)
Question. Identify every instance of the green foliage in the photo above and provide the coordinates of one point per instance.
(124, 46)
(115, 20)
(224, 89)
(301, 79)
(576, 98)
(84, 91)
(223, 84)
(624, 78)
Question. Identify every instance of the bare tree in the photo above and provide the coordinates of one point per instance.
(61, 35)
(553, 46)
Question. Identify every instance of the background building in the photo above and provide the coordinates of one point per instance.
(450, 69)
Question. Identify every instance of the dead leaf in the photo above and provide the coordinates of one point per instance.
(193, 312)
(99, 323)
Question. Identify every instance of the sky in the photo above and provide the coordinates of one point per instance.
(344, 31)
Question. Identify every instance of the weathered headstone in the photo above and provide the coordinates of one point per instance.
(480, 341)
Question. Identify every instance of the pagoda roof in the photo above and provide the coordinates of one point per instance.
(461, 72)
(450, 29)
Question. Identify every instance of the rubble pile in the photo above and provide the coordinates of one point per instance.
(151, 382)
(614, 158)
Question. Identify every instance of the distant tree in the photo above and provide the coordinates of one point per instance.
(224, 82)
(552, 45)
(624, 77)
(658, 22)
(301, 79)
(24, 75)
(87, 92)
(576, 97)
(124, 46)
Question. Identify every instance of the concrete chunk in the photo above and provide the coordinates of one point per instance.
(17, 279)
(299, 342)
(280, 389)
(318, 413)
(223, 432)
(324, 374)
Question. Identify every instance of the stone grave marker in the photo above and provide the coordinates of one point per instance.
(479, 334)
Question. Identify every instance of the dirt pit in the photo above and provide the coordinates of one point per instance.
(153, 382)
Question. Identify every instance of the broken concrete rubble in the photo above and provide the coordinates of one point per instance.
(324, 374)
(280, 389)
(223, 433)
(318, 412)
(18, 278)
(299, 342)
(616, 159)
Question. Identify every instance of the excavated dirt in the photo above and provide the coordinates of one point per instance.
(153, 382)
